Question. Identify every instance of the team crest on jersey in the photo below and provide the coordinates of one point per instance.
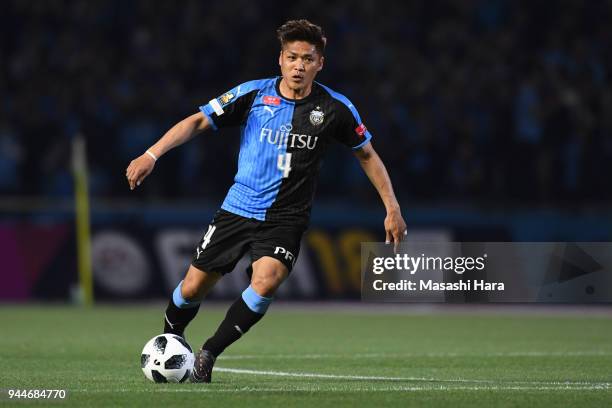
(316, 116)
(225, 98)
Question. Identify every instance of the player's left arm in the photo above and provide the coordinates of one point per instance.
(373, 166)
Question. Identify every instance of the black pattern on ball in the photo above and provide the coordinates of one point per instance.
(160, 344)
(144, 359)
(158, 377)
(175, 362)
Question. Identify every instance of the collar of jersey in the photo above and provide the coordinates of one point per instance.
(296, 101)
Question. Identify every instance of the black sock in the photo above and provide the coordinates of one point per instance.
(177, 319)
(238, 320)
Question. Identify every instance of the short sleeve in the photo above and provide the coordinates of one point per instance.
(232, 108)
(350, 130)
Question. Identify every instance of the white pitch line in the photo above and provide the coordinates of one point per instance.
(328, 376)
(413, 355)
(383, 378)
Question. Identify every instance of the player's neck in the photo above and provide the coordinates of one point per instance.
(297, 93)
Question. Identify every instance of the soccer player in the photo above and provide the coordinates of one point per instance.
(286, 125)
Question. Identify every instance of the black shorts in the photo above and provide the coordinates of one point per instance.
(230, 236)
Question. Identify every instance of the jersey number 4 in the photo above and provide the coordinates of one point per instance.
(206, 239)
(284, 164)
(208, 235)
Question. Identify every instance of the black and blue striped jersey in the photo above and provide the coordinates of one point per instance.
(282, 144)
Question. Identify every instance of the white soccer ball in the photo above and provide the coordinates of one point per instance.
(167, 358)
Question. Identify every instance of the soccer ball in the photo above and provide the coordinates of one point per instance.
(167, 358)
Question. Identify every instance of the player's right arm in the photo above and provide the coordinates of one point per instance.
(187, 128)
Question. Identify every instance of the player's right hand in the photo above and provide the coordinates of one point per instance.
(138, 169)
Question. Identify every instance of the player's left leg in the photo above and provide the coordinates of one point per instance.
(250, 307)
(274, 251)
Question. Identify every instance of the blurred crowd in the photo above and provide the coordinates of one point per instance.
(491, 102)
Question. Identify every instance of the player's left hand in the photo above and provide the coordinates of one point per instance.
(395, 228)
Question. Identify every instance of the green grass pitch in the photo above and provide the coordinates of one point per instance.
(315, 357)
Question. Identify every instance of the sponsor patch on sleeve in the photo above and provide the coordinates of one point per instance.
(360, 130)
(225, 98)
(271, 100)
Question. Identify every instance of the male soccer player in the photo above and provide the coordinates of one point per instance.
(286, 125)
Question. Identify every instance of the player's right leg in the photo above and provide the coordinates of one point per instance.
(222, 245)
(185, 301)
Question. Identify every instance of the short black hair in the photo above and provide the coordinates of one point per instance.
(302, 30)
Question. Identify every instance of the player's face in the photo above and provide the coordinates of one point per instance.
(299, 62)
